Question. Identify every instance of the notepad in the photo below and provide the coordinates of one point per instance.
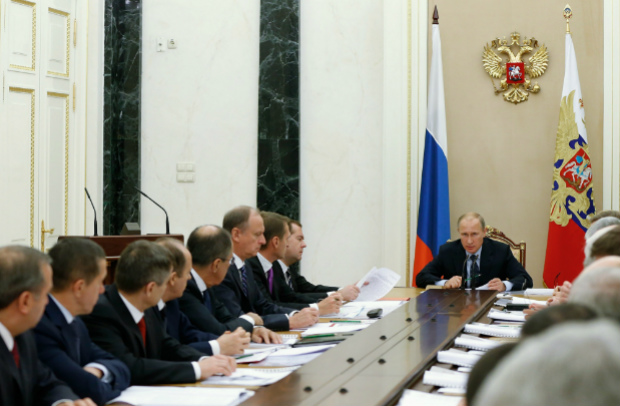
(475, 343)
(508, 316)
(460, 358)
(417, 398)
(182, 396)
(445, 378)
(493, 331)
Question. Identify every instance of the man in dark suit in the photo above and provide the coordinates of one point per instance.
(238, 291)
(289, 266)
(211, 250)
(474, 261)
(25, 281)
(125, 323)
(271, 281)
(177, 323)
(63, 342)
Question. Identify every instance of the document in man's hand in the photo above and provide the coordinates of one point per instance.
(380, 282)
(182, 396)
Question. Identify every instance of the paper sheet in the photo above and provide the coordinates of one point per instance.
(357, 310)
(508, 316)
(417, 398)
(251, 377)
(380, 282)
(333, 328)
(182, 396)
(538, 292)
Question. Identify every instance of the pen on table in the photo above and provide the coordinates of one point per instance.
(345, 321)
(244, 356)
(319, 335)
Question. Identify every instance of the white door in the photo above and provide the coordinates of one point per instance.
(38, 135)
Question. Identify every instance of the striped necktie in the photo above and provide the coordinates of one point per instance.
(473, 271)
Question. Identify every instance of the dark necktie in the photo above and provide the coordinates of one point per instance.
(142, 327)
(270, 279)
(74, 328)
(289, 280)
(207, 301)
(15, 353)
(244, 280)
(473, 271)
(162, 312)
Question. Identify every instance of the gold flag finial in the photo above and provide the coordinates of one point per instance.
(568, 13)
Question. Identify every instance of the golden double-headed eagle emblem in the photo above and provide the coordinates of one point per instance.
(517, 73)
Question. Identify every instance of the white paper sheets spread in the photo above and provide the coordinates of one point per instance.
(182, 396)
(380, 282)
(417, 398)
(251, 377)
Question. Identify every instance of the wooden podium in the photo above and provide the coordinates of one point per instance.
(113, 245)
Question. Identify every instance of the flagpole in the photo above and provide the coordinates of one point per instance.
(568, 13)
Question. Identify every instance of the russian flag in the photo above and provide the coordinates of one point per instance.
(434, 210)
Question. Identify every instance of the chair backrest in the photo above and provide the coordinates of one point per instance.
(518, 249)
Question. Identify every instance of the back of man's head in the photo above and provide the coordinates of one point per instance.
(598, 289)
(601, 223)
(576, 363)
(177, 258)
(140, 263)
(276, 225)
(607, 244)
(554, 315)
(237, 218)
(73, 259)
(605, 213)
(483, 369)
(20, 271)
(208, 243)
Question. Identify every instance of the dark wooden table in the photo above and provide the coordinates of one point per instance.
(375, 365)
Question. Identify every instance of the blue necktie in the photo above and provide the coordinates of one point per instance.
(244, 280)
(74, 328)
(207, 301)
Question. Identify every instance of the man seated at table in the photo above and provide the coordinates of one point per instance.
(289, 265)
(63, 342)
(125, 323)
(238, 291)
(271, 281)
(474, 261)
(177, 323)
(211, 251)
(25, 281)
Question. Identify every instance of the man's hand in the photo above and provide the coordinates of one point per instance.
(534, 307)
(497, 284)
(560, 294)
(331, 304)
(217, 364)
(235, 342)
(453, 283)
(258, 321)
(264, 335)
(79, 402)
(304, 318)
(95, 371)
(349, 293)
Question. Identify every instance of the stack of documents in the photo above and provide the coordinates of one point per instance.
(460, 358)
(417, 398)
(182, 396)
(493, 330)
(446, 378)
(475, 343)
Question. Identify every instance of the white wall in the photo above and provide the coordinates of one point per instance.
(199, 104)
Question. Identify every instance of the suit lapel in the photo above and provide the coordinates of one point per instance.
(117, 303)
(486, 256)
(7, 359)
(67, 333)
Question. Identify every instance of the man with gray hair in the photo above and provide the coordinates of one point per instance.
(583, 370)
(600, 290)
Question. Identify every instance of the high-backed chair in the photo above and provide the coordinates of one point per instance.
(518, 249)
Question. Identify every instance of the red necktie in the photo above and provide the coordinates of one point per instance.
(142, 327)
(15, 353)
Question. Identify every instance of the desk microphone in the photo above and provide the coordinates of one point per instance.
(94, 211)
(463, 273)
(158, 205)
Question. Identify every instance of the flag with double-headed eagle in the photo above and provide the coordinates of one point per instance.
(572, 198)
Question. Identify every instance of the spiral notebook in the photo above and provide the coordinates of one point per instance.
(460, 358)
(445, 378)
(493, 331)
(475, 343)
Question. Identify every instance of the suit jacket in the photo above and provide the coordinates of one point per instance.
(33, 383)
(66, 349)
(496, 261)
(217, 321)
(231, 294)
(181, 328)
(301, 284)
(282, 294)
(162, 360)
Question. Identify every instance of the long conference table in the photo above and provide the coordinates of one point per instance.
(375, 365)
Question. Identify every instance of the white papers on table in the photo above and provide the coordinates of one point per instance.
(460, 358)
(522, 300)
(358, 310)
(475, 343)
(263, 346)
(254, 355)
(182, 396)
(452, 391)
(437, 376)
(380, 282)
(493, 331)
(504, 315)
(538, 292)
(294, 356)
(416, 398)
(308, 349)
(251, 377)
(289, 339)
(333, 328)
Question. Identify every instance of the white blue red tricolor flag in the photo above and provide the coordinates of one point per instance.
(572, 197)
(434, 210)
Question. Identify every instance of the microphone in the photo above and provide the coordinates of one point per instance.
(463, 273)
(94, 211)
(158, 205)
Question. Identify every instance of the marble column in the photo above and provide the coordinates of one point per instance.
(121, 125)
(278, 122)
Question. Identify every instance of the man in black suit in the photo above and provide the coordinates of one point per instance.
(211, 251)
(125, 323)
(289, 266)
(79, 267)
(271, 281)
(474, 261)
(25, 281)
(177, 323)
(238, 291)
